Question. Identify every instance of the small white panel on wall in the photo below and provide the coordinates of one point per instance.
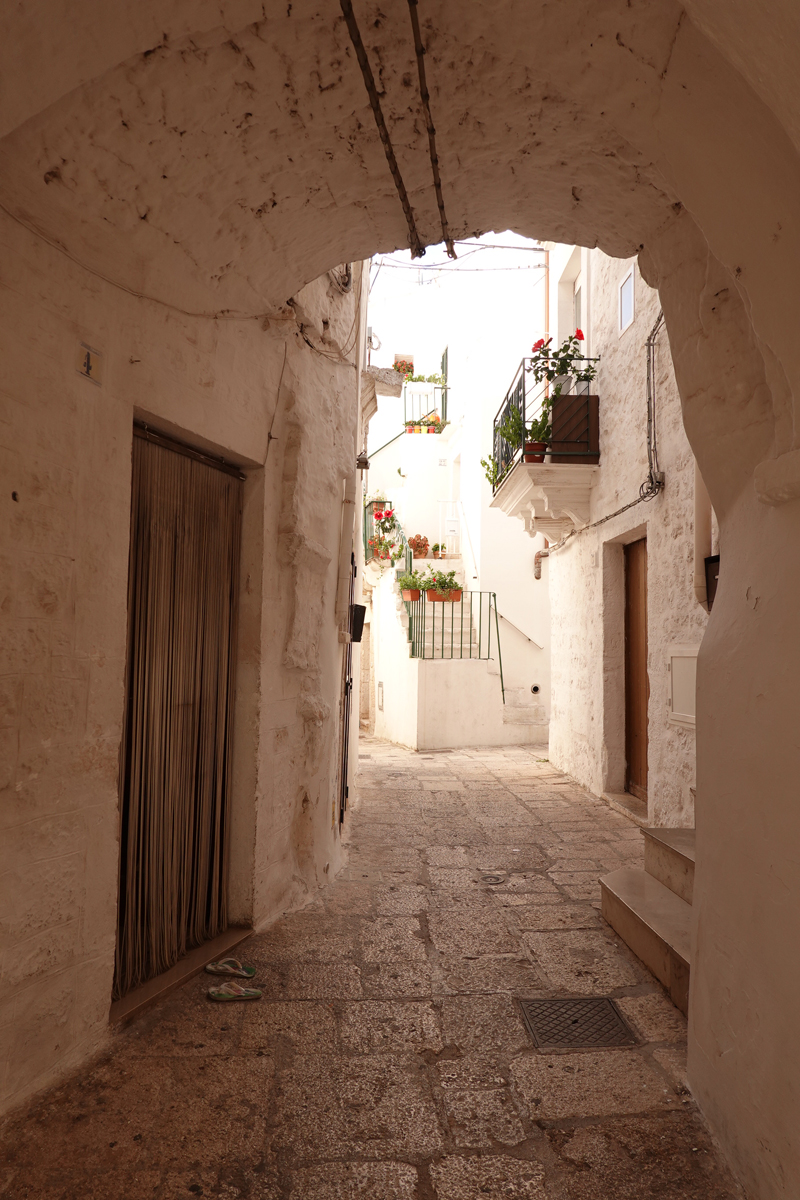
(682, 701)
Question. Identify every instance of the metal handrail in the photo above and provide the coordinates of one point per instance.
(522, 631)
(432, 636)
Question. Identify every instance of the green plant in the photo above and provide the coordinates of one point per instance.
(435, 547)
(440, 581)
(418, 545)
(511, 428)
(491, 469)
(437, 378)
(409, 581)
(540, 427)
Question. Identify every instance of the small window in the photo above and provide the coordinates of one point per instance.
(626, 302)
(578, 315)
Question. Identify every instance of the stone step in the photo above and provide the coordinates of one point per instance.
(523, 714)
(655, 923)
(669, 858)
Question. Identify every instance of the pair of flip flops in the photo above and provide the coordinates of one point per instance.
(230, 990)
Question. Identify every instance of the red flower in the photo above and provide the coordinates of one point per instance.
(579, 335)
(538, 345)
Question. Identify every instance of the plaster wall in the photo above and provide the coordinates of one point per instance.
(587, 575)
(65, 462)
(221, 163)
(495, 554)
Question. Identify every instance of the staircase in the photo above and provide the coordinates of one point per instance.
(651, 910)
(442, 631)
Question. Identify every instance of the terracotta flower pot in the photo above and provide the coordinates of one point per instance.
(455, 595)
(432, 429)
(534, 452)
(437, 597)
(411, 594)
(409, 428)
(436, 553)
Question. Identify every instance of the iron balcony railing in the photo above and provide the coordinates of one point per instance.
(455, 628)
(574, 420)
(421, 400)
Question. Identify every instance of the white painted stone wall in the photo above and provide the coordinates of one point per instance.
(219, 162)
(495, 554)
(65, 463)
(587, 734)
(431, 704)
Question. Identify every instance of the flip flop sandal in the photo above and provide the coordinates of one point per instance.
(233, 991)
(230, 966)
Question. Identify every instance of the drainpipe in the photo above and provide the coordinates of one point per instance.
(702, 536)
(537, 562)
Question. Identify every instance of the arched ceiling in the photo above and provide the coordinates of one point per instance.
(218, 169)
(217, 157)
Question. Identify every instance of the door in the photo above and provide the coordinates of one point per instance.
(176, 751)
(637, 686)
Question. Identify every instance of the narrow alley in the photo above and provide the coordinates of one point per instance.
(388, 1058)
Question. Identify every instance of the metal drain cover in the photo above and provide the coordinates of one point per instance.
(493, 878)
(569, 1024)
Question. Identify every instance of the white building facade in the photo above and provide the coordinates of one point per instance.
(611, 533)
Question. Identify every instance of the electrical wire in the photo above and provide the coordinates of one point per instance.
(455, 267)
(654, 484)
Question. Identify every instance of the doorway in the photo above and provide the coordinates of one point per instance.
(637, 685)
(176, 751)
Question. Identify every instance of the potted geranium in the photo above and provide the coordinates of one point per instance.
(410, 584)
(419, 545)
(559, 367)
(440, 586)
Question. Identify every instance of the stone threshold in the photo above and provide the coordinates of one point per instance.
(142, 998)
(628, 805)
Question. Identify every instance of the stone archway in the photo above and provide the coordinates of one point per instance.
(216, 168)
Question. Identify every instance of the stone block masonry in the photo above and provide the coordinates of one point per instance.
(388, 1058)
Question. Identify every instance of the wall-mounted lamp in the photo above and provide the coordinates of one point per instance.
(362, 462)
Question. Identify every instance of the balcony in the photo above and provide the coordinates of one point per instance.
(548, 486)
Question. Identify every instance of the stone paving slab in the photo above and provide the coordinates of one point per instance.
(388, 1058)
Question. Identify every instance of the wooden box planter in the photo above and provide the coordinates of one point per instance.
(575, 423)
(442, 597)
(411, 594)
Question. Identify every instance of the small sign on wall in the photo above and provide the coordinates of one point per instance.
(90, 363)
(683, 684)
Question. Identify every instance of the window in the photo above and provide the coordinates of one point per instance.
(578, 316)
(626, 302)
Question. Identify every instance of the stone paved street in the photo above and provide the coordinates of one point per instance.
(388, 1059)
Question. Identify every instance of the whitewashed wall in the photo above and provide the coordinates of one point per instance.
(587, 732)
(65, 448)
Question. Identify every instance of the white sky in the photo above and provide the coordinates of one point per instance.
(488, 307)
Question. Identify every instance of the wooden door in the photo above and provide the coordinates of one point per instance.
(175, 769)
(637, 686)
